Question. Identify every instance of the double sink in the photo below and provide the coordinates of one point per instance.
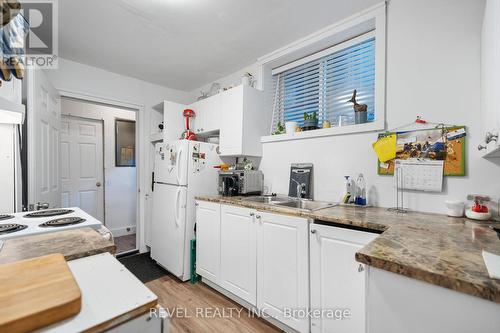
(287, 202)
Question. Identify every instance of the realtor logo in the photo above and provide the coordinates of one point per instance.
(41, 41)
(40, 17)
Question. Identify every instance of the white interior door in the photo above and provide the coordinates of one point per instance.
(82, 174)
(44, 116)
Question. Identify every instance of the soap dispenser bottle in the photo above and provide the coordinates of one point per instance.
(360, 191)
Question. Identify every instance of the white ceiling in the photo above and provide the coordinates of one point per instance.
(184, 44)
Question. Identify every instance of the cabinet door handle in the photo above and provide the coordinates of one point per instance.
(252, 214)
(481, 147)
(258, 217)
(360, 268)
(313, 231)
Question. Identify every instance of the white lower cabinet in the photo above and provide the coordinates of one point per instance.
(208, 240)
(274, 263)
(238, 252)
(338, 282)
(283, 269)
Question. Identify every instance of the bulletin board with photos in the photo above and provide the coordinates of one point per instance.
(443, 143)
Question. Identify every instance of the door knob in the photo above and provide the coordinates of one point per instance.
(98, 184)
(481, 147)
(360, 268)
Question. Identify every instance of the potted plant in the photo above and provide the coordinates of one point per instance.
(310, 121)
(280, 129)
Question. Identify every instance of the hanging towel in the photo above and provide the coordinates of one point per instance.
(13, 37)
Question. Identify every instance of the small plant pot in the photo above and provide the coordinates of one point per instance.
(360, 117)
(291, 127)
(311, 123)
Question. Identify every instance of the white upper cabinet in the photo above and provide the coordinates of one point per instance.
(208, 114)
(337, 280)
(244, 121)
(12, 90)
(239, 116)
(12, 111)
(238, 252)
(490, 80)
(283, 268)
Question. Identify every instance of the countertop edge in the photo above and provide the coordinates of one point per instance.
(455, 284)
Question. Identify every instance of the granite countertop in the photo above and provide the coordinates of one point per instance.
(434, 248)
(73, 244)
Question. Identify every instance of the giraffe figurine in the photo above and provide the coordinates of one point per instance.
(357, 107)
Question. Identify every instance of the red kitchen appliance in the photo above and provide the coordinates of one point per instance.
(188, 134)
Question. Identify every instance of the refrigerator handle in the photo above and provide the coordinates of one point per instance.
(178, 164)
(177, 197)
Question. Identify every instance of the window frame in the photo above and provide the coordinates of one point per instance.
(321, 43)
(320, 55)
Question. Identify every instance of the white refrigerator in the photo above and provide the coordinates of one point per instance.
(183, 169)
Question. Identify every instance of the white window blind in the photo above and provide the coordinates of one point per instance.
(325, 85)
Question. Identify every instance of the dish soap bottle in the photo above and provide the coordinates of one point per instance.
(360, 191)
(348, 194)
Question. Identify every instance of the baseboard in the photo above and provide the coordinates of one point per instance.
(117, 232)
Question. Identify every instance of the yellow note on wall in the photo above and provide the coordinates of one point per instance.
(385, 148)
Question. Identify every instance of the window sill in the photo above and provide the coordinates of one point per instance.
(324, 132)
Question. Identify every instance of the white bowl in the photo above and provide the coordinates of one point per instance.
(477, 216)
(454, 208)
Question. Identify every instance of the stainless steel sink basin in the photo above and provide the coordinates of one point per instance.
(306, 205)
(282, 201)
(267, 199)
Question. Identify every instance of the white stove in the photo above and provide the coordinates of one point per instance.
(43, 221)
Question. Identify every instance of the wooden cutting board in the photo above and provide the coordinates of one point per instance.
(72, 243)
(37, 292)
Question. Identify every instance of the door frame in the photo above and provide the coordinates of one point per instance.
(101, 166)
(141, 149)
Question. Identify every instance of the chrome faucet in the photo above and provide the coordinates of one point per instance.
(301, 189)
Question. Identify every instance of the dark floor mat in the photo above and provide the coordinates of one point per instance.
(143, 267)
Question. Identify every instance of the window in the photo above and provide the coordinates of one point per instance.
(325, 85)
(125, 143)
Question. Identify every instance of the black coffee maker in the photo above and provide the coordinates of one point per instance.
(229, 185)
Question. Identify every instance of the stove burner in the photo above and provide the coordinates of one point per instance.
(12, 227)
(62, 222)
(49, 213)
(4, 217)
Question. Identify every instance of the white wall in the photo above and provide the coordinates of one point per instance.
(97, 83)
(120, 182)
(433, 70)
